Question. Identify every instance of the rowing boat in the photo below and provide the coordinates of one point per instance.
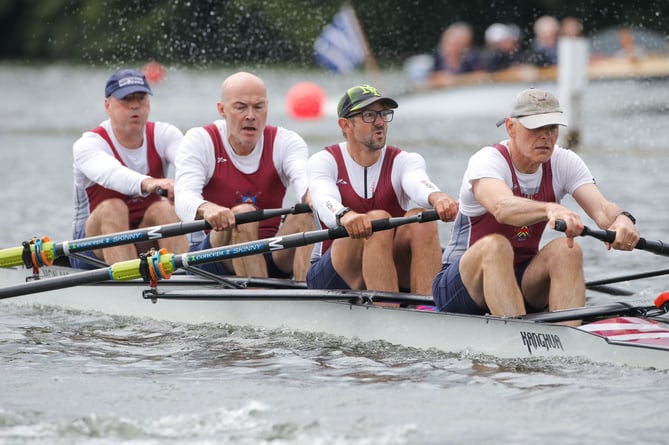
(615, 333)
(170, 287)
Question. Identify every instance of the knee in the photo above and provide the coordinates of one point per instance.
(564, 252)
(243, 208)
(378, 214)
(495, 246)
(113, 206)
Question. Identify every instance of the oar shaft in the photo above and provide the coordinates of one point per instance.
(61, 282)
(165, 264)
(289, 241)
(14, 256)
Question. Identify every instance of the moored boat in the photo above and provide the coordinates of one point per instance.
(617, 333)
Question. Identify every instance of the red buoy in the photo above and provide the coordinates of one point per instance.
(305, 101)
(154, 72)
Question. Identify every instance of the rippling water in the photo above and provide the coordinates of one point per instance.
(71, 377)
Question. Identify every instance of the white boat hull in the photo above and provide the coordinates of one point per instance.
(453, 333)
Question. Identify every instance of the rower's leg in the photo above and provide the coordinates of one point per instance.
(487, 272)
(555, 278)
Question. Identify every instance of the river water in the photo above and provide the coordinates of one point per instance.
(70, 377)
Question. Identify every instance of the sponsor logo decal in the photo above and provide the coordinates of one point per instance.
(535, 341)
(130, 81)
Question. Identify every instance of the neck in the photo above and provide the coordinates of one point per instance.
(131, 140)
(363, 155)
(240, 149)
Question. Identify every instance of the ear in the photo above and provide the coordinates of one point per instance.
(344, 123)
(511, 127)
(221, 109)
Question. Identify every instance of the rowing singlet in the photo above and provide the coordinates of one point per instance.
(384, 195)
(229, 187)
(136, 204)
(525, 240)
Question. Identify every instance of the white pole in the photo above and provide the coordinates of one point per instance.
(572, 80)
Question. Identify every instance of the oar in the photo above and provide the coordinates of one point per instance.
(45, 252)
(638, 276)
(606, 310)
(609, 236)
(157, 265)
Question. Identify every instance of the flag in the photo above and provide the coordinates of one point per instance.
(341, 47)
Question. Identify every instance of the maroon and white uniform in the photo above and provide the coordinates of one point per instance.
(565, 172)
(396, 180)
(208, 170)
(104, 169)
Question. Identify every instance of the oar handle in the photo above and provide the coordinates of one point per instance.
(258, 215)
(609, 236)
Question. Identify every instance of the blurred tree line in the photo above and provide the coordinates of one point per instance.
(197, 32)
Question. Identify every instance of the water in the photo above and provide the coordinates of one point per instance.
(70, 377)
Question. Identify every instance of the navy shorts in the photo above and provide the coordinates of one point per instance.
(450, 294)
(218, 268)
(322, 275)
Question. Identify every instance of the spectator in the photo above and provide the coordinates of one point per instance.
(502, 47)
(456, 54)
(543, 49)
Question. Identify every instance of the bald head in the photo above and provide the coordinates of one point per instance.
(240, 84)
(243, 105)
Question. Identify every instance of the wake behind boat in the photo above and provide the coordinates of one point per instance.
(618, 333)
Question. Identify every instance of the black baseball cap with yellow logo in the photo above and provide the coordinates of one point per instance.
(359, 97)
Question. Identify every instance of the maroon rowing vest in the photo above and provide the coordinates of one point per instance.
(525, 240)
(229, 187)
(384, 195)
(137, 205)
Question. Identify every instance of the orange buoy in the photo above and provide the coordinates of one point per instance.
(154, 72)
(305, 100)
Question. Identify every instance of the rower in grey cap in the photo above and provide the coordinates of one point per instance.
(536, 108)
(509, 192)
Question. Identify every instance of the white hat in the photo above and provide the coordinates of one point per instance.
(536, 108)
(497, 32)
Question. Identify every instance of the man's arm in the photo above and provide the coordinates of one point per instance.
(607, 215)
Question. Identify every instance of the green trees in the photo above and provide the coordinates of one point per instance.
(203, 32)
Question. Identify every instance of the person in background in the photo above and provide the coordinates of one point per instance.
(571, 27)
(119, 166)
(543, 48)
(509, 192)
(239, 164)
(455, 53)
(502, 47)
(363, 179)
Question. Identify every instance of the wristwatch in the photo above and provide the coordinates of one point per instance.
(341, 213)
(629, 215)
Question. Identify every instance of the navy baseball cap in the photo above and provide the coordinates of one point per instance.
(124, 82)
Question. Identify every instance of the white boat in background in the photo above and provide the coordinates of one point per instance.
(635, 336)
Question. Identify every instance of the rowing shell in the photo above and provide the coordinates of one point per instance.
(639, 341)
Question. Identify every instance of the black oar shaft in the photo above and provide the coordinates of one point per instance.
(131, 269)
(14, 256)
(61, 282)
(289, 241)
